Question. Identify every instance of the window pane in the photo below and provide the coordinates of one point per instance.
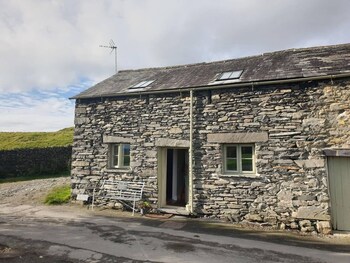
(230, 75)
(126, 154)
(126, 149)
(231, 164)
(126, 161)
(231, 152)
(247, 165)
(247, 152)
(146, 83)
(235, 74)
(115, 151)
(225, 75)
(142, 84)
(139, 85)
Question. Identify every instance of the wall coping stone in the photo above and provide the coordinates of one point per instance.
(250, 137)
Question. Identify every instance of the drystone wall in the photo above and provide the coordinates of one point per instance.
(290, 189)
(23, 162)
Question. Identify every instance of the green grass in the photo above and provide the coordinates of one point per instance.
(33, 177)
(29, 140)
(59, 195)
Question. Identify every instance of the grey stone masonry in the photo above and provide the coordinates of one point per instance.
(292, 124)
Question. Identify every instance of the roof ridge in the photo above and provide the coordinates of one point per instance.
(165, 67)
(308, 48)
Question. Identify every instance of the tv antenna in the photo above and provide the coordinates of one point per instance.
(113, 47)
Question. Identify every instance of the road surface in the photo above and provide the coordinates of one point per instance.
(72, 234)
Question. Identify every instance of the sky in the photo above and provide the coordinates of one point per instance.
(50, 49)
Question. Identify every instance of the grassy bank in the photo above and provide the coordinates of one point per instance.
(22, 140)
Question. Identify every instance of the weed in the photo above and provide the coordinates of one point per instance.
(58, 195)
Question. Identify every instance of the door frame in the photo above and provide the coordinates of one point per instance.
(162, 153)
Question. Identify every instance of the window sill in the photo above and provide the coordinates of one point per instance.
(118, 170)
(227, 175)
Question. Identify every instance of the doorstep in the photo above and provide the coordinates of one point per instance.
(174, 210)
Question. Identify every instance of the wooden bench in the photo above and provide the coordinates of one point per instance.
(123, 192)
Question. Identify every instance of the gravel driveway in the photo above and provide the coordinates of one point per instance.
(29, 192)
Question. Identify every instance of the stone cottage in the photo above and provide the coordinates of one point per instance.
(262, 138)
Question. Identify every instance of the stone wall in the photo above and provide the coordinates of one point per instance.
(290, 189)
(23, 162)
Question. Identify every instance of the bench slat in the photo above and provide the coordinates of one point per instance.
(123, 190)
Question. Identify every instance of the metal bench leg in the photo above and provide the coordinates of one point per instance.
(93, 199)
(133, 208)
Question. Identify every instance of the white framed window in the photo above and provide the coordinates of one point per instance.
(142, 84)
(230, 75)
(239, 159)
(119, 155)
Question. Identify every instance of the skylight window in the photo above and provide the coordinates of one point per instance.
(142, 84)
(230, 75)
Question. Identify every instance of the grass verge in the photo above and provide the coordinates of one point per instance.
(33, 177)
(58, 195)
(30, 140)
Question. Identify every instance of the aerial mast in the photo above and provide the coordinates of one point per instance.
(113, 47)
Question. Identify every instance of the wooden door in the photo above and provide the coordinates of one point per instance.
(339, 183)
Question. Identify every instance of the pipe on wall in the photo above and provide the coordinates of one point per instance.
(189, 206)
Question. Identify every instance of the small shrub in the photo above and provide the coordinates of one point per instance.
(58, 195)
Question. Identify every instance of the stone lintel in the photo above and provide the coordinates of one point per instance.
(165, 142)
(116, 139)
(337, 152)
(250, 137)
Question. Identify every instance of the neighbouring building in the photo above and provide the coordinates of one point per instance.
(260, 139)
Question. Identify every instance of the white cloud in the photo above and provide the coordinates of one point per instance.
(43, 112)
(43, 46)
(51, 45)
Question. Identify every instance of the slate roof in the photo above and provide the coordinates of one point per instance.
(280, 65)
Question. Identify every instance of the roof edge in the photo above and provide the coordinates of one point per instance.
(222, 86)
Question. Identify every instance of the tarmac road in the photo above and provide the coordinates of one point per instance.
(71, 234)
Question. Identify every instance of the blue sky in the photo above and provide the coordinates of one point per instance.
(49, 49)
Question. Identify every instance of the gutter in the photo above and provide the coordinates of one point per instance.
(223, 86)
